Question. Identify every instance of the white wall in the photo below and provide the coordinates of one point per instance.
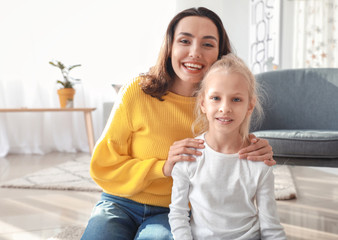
(113, 40)
(287, 34)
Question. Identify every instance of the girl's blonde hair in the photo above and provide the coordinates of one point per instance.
(229, 63)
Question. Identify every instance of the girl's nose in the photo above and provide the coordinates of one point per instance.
(225, 108)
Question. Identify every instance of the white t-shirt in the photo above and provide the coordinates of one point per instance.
(230, 198)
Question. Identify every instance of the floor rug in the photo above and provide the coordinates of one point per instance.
(69, 233)
(71, 175)
(285, 188)
(74, 175)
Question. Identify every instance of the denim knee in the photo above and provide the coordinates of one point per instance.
(155, 227)
(123, 219)
(109, 221)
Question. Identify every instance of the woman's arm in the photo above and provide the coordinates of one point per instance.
(122, 164)
(114, 168)
(259, 150)
(183, 150)
(179, 218)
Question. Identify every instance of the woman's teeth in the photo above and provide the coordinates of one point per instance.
(192, 66)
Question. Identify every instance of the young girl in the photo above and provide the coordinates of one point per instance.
(230, 198)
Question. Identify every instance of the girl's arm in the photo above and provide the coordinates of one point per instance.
(259, 150)
(270, 226)
(179, 208)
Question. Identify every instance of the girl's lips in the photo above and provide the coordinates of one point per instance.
(225, 120)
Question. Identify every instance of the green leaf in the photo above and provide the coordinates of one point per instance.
(51, 63)
(60, 82)
(74, 66)
(60, 65)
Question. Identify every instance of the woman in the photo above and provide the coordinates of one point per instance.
(131, 161)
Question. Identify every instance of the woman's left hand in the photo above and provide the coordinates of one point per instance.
(259, 150)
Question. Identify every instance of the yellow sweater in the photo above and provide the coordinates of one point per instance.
(128, 158)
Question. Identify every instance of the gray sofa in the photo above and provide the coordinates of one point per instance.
(301, 116)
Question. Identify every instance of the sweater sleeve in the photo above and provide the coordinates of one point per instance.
(270, 226)
(112, 166)
(179, 219)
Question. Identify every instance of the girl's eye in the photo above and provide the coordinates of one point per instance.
(215, 98)
(236, 100)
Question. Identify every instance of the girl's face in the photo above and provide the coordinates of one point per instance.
(226, 102)
(195, 48)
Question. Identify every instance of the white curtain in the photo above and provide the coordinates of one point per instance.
(114, 41)
(316, 34)
(264, 35)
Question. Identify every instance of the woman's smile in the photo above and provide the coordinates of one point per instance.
(193, 66)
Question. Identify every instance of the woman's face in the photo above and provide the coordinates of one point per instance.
(195, 48)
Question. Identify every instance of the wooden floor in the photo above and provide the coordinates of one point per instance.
(40, 214)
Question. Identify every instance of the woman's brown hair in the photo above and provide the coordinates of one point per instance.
(160, 77)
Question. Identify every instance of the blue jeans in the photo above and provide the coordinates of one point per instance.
(117, 218)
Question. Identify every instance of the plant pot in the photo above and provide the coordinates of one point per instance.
(66, 97)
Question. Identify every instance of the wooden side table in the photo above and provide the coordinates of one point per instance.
(87, 115)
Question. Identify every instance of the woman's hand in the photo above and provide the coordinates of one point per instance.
(259, 150)
(182, 150)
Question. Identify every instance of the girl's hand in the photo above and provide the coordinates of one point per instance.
(182, 150)
(259, 150)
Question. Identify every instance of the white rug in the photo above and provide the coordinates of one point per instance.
(69, 233)
(71, 175)
(285, 188)
(74, 175)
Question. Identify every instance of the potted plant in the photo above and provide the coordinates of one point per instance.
(66, 92)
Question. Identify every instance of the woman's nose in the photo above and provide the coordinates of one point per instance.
(195, 51)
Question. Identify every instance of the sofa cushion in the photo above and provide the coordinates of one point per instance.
(302, 143)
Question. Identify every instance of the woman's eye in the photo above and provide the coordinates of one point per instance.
(185, 41)
(208, 45)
